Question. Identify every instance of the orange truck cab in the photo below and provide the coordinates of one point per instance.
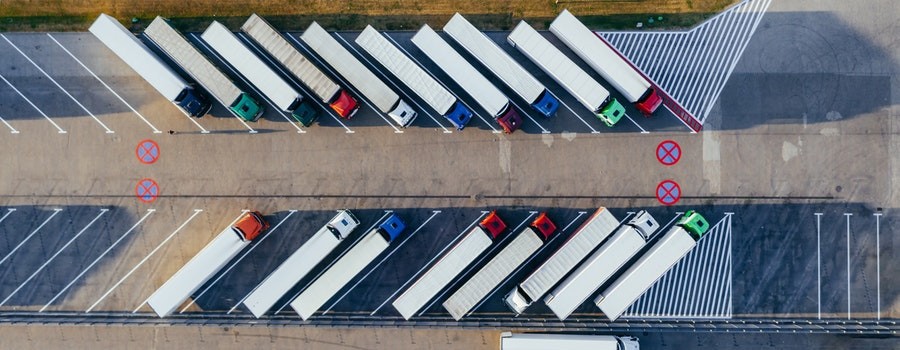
(250, 225)
(344, 104)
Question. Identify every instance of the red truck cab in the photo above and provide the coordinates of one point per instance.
(345, 105)
(493, 224)
(249, 226)
(543, 225)
(649, 102)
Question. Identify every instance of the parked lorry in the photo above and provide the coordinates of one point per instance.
(150, 67)
(612, 256)
(534, 341)
(278, 47)
(300, 263)
(565, 72)
(585, 238)
(449, 266)
(173, 44)
(414, 77)
(348, 66)
(502, 65)
(206, 263)
(347, 267)
(522, 246)
(652, 265)
(607, 61)
(239, 56)
(468, 78)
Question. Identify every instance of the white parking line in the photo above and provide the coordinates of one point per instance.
(226, 65)
(133, 269)
(108, 131)
(522, 111)
(344, 82)
(819, 262)
(270, 102)
(877, 264)
(59, 129)
(55, 211)
(593, 131)
(490, 252)
(434, 213)
(580, 214)
(389, 81)
(361, 236)
(636, 124)
(12, 130)
(8, 211)
(490, 125)
(48, 261)
(848, 263)
(149, 211)
(155, 130)
(236, 261)
(413, 278)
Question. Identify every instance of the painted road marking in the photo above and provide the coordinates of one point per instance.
(668, 192)
(636, 124)
(271, 103)
(13, 251)
(877, 263)
(234, 263)
(490, 253)
(434, 213)
(361, 236)
(12, 130)
(108, 131)
(149, 211)
(8, 211)
(593, 131)
(397, 89)
(413, 278)
(147, 151)
(819, 262)
(668, 152)
(490, 125)
(133, 269)
(523, 112)
(146, 190)
(346, 85)
(155, 130)
(235, 73)
(58, 129)
(847, 215)
(41, 268)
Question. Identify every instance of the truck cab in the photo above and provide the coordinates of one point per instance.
(249, 226)
(644, 224)
(546, 104)
(459, 115)
(247, 108)
(342, 224)
(611, 112)
(510, 119)
(403, 114)
(517, 300)
(303, 112)
(193, 103)
(391, 228)
(543, 225)
(649, 102)
(694, 223)
(345, 105)
(493, 224)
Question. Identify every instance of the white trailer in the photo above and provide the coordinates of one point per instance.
(414, 77)
(565, 72)
(601, 265)
(587, 237)
(170, 41)
(502, 65)
(239, 56)
(300, 263)
(348, 266)
(384, 98)
(150, 67)
(468, 78)
(206, 263)
(605, 60)
(652, 265)
(526, 341)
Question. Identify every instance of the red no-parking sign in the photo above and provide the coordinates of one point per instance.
(146, 190)
(147, 151)
(668, 192)
(668, 152)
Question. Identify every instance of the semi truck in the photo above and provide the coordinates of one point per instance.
(565, 72)
(348, 66)
(502, 65)
(584, 240)
(612, 255)
(217, 84)
(347, 267)
(652, 265)
(534, 341)
(207, 263)
(150, 67)
(522, 246)
(607, 61)
(468, 78)
(449, 266)
(247, 64)
(414, 77)
(300, 263)
(278, 47)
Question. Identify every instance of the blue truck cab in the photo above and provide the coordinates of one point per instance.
(391, 228)
(459, 115)
(546, 104)
(193, 102)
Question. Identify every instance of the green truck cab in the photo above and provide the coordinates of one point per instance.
(694, 223)
(611, 112)
(247, 108)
